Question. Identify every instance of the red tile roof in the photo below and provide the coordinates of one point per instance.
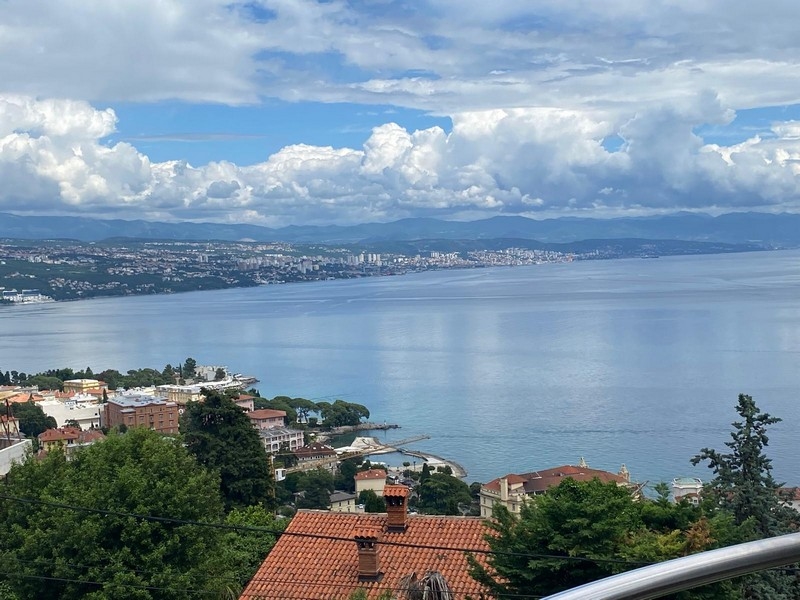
(61, 434)
(321, 568)
(539, 481)
(266, 413)
(315, 449)
(370, 475)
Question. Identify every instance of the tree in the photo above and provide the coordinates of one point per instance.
(342, 413)
(317, 487)
(372, 502)
(743, 482)
(575, 533)
(442, 494)
(54, 552)
(222, 438)
(219, 374)
(189, 366)
(743, 486)
(345, 478)
(303, 408)
(245, 550)
(32, 420)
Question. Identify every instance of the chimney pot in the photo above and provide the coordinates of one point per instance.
(396, 497)
(367, 540)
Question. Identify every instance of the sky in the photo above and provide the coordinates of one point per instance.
(300, 112)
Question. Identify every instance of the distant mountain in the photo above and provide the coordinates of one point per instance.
(766, 230)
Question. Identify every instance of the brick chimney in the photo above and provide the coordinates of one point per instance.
(396, 497)
(367, 539)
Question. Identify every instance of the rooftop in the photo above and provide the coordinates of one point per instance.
(370, 474)
(316, 557)
(135, 400)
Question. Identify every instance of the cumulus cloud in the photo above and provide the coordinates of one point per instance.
(534, 92)
(539, 161)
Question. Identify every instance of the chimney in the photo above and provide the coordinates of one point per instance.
(367, 539)
(396, 497)
(504, 489)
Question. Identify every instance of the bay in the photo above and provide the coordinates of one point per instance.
(507, 369)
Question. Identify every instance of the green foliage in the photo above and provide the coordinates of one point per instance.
(442, 494)
(341, 413)
(189, 366)
(317, 487)
(222, 438)
(45, 382)
(345, 478)
(743, 486)
(245, 550)
(32, 420)
(590, 520)
(743, 482)
(372, 502)
(140, 472)
(277, 403)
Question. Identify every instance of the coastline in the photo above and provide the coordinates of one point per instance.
(371, 446)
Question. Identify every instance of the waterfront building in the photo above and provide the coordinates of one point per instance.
(317, 452)
(687, 488)
(513, 490)
(137, 410)
(273, 438)
(326, 554)
(266, 418)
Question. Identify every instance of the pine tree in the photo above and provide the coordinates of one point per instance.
(743, 486)
(220, 435)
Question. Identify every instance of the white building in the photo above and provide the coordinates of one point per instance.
(687, 488)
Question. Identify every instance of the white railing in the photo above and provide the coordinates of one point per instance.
(692, 571)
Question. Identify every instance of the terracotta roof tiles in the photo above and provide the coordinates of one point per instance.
(321, 568)
(370, 474)
(266, 413)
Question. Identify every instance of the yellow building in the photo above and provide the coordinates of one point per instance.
(83, 386)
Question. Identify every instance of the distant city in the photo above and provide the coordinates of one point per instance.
(44, 271)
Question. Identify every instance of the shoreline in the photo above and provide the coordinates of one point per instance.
(433, 460)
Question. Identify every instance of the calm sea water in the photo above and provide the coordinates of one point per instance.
(509, 370)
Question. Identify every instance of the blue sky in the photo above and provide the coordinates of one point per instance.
(279, 112)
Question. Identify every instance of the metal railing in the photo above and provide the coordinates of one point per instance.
(692, 571)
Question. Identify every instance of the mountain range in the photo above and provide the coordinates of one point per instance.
(763, 229)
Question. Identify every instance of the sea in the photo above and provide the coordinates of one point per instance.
(508, 370)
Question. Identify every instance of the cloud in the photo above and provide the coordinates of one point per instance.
(534, 91)
(536, 161)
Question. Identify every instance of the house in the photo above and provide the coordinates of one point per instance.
(317, 452)
(275, 437)
(343, 502)
(373, 479)
(687, 488)
(68, 438)
(329, 555)
(513, 490)
(265, 418)
(245, 401)
(790, 496)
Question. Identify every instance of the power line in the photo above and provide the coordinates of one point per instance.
(308, 583)
(254, 529)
